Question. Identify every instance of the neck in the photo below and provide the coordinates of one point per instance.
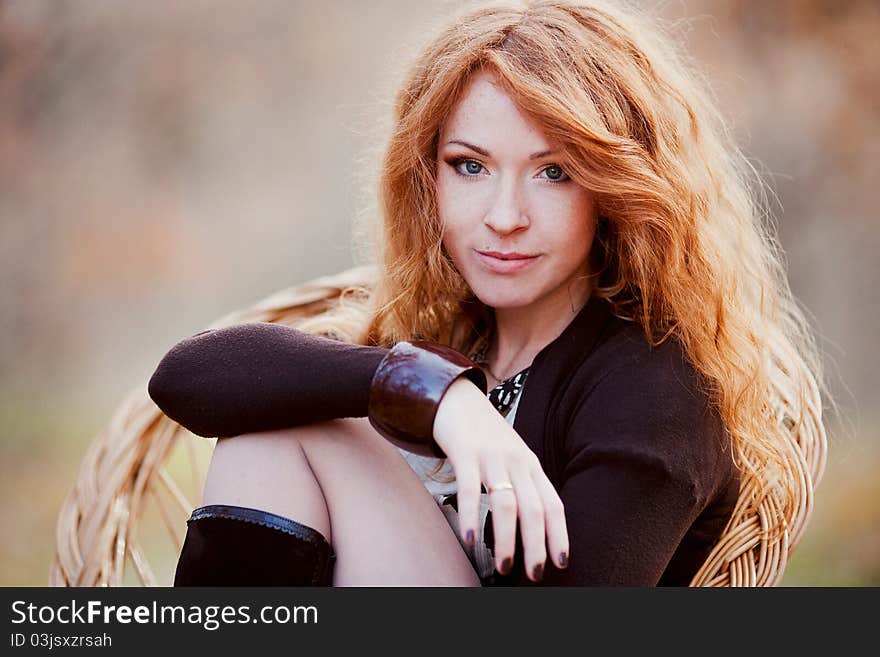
(522, 332)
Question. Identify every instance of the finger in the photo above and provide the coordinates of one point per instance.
(503, 505)
(530, 508)
(467, 477)
(554, 519)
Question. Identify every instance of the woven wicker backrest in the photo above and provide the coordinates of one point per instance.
(124, 519)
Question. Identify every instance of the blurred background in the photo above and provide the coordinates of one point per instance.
(164, 163)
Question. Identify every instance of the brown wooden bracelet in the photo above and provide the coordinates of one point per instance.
(407, 388)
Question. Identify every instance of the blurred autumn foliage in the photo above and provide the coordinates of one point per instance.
(162, 164)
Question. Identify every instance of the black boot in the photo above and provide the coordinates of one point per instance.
(239, 546)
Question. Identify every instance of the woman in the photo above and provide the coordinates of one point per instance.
(560, 203)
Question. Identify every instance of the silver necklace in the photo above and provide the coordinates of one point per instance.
(480, 358)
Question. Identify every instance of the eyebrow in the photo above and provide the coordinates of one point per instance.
(485, 153)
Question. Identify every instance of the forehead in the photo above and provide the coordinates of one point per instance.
(487, 115)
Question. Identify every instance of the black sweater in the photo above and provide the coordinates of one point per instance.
(624, 431)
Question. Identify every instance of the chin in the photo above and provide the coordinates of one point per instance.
(494, 297)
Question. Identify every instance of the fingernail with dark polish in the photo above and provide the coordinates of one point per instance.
(538, 572)
(469, 538)
(563, 559)
(506, 565)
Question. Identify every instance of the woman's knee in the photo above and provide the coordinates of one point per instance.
(272, 457)
(257, 449)
(350, 435)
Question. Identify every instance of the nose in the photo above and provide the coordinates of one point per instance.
(507, 212)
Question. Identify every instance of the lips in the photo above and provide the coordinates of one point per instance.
(505, 263)
(506, 256)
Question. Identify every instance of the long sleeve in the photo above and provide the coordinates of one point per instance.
(645, 463)
(260, 377)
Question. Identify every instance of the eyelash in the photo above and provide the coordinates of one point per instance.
(460, 160)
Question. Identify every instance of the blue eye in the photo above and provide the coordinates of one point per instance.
(472, 167)
(556, 174)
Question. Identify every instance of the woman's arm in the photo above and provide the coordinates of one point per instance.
(261, 376)
(645, 455)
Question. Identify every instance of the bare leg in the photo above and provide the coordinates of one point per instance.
(346, 481)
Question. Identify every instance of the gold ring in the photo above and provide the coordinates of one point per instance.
(505, 486)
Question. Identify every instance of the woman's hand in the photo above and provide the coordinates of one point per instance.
(483, 448)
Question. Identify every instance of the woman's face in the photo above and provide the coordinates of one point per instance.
(499, 190)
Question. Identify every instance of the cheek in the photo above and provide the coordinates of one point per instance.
(451, 201)
(456, 209)
(449, 215)
(574, 219)
(450, 238)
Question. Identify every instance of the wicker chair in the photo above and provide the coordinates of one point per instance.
(143, 475)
